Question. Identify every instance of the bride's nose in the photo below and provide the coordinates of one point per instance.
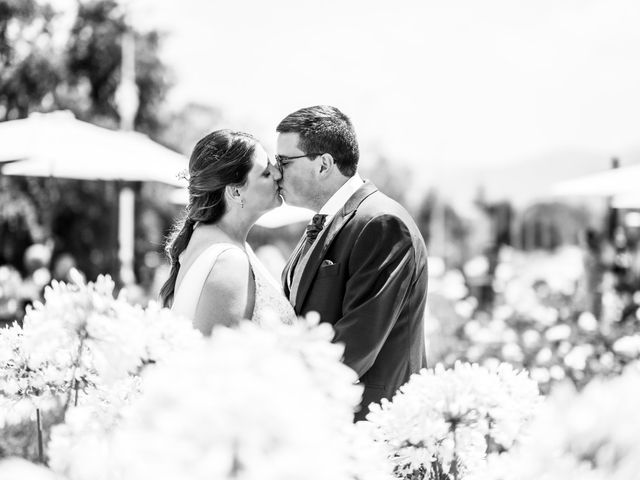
(276, 173)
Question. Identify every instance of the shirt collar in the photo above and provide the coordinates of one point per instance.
(344, 193)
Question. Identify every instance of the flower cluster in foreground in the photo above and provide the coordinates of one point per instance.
(254, 402)
(443, 422)
(587, 435)
(125, 392)
(80, 340)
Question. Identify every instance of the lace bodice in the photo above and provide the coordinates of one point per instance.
(269, 298)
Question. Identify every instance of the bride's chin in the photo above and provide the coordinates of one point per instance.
(277, 202)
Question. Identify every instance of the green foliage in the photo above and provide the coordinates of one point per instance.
(28, 67)
(19, 224)
(46, 66)
(51, 60)
(21, 439)
(93, 59)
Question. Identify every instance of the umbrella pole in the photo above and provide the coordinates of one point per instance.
(612, 212)
(126, 234)
(128, 103)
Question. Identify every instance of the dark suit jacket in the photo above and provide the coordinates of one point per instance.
(367, 276)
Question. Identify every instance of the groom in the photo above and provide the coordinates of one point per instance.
(362, 263)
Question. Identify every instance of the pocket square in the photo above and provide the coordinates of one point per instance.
(326, 263)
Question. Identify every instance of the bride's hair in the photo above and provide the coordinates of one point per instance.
(221, 158)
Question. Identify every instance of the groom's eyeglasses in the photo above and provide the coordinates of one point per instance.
(282, 160)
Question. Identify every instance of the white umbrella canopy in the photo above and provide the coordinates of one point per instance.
(278, 217)
(630, 200)
(57, 145)
(603, 184)
(285, 215)
(60, 146)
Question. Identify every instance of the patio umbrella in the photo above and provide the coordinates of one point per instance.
(611, 182)
(60, 146)
(626, 200)
(57, 145)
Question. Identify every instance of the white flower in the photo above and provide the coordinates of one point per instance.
(79, 337)
(503, 312)
(477, 266)
(80, 448)
(596, 438)
(511, 352)
(587, 322)
(633, 366)
(369, 458)
(452, 286)
(531, 338)
(577, 357)
(558, 332)
(447, 414)
(540, 375)
(164, 334)
(256, 402)
(25, 385)
(545, 316)
(557, 372)
(628, 346)
(466, 307)
(544, 356)
(437, 267)
(17, 468)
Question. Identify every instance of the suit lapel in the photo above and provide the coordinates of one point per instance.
(318, 251)
(293, 259)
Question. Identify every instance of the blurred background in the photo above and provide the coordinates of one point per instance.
(508, 129)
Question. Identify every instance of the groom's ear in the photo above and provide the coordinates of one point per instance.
(327, 163)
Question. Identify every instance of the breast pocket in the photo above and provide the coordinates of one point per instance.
(328, 270)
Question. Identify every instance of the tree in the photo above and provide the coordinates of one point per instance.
(93, 59)
(50, 63)
(30, 67)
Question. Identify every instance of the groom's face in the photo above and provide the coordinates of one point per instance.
(298, 183)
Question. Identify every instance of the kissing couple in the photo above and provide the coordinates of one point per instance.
(361, 264)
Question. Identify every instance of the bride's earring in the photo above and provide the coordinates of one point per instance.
(241, 203)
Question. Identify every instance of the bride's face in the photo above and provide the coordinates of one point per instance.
(261, 190)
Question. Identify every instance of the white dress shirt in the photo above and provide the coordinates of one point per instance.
(338, 199)
(333, 205)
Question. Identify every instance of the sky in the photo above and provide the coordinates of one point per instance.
(448, 85)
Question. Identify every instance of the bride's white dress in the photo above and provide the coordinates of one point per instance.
(269, 298)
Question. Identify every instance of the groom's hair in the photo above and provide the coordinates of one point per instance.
(325, 129)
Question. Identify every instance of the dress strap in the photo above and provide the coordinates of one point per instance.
(186, 297)
(259, 270)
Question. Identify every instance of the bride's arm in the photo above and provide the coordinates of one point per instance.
(228, 293)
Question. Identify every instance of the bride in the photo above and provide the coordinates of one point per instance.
(215, 278)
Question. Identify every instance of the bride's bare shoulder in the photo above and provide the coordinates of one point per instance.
(228, 293)
(231, 267)
(232, 258)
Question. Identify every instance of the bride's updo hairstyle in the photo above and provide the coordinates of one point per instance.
(224, 157)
